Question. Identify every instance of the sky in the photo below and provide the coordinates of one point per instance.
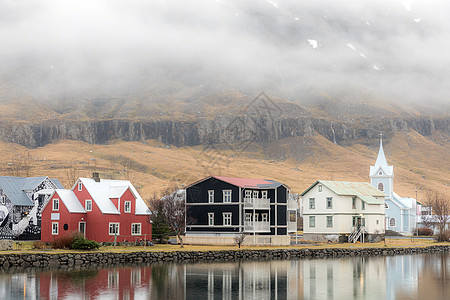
(53, 48)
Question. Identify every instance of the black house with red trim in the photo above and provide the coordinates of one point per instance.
(220, 208)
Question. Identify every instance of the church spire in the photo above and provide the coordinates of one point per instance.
(381, 159)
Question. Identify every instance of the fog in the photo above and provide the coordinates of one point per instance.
(53, 48)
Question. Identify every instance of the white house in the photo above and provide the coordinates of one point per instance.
(340, 211)
(401, 213)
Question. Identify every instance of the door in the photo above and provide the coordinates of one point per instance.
(82, 228)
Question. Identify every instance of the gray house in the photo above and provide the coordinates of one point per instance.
(21, 201)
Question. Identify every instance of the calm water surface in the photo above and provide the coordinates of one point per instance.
(394, 277)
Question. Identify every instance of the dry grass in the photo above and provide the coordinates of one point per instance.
(304, 161)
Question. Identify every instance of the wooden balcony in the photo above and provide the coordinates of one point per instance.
(257, 203)
(256, 226)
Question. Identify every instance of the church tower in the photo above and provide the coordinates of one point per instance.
(382, 175)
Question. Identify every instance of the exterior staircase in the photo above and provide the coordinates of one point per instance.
(356, 234)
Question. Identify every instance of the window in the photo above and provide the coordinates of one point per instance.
(380, 173)
(265, 217)
(127, 207)
(55, 204)
(329, 202)
(255, 194)
(227, 219)
(353, 202)
(320, 188)
(312, 221)
(227, 196)
(113, 228)
(54, 228)
(248, 194)
(378, 222)
(329, 221)
(211, 219)
(363, 205)
(386, 206)
(80, 186)
(211, 196)
(248, 217)
(88, 205)
(312, 203)
(381, 187)
(392, 222)
(264, 194)
(135, 228)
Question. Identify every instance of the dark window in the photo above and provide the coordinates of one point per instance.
(65, 227)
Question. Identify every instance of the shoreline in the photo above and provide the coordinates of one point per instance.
(76, 259)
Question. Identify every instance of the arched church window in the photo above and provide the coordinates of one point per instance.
(392, 222)
(380, 173)
(381, 187)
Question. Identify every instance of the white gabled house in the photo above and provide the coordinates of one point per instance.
(342, 211)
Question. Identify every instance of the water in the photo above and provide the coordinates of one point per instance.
(393, 277)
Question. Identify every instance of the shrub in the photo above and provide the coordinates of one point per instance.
(423, 231)
(64, 242)
(84, 244)
(39, 245)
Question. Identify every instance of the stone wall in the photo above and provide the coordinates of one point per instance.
(98, 259)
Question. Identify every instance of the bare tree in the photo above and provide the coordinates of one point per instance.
(239, 239)
(441, 214)
(170, 208)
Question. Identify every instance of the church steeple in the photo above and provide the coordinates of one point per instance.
(381, 174)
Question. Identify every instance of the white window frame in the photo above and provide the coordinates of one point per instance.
(363, 205)
(320, 188)
(248, 194)
(211, 219)
(353, 202)
(227, 218)
(55, 225)
(128, 211)
(312, 203)
(380, 187)
(312, 221)
(329, 202)
(210, 196)
(329, 221)
(255, 194)
(80, 186)
(392, 221)
(265, 217)
(55, 207)
(248, 217)
(226, 196)
(264, 194)
(140, 229)
(118, 228)
(88, 205)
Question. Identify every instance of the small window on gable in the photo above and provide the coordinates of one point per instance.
(381, 187)
(320, 187)
(211, 196)
(353, 202)
(88, 205)
(127, 207)
(363, 205)
(80, 186)
(380, 173)
(55, 205)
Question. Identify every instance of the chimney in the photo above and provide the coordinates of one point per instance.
(96, 176)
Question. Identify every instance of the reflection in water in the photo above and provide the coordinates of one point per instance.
(394, 277)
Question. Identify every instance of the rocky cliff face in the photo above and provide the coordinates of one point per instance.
(218, 130)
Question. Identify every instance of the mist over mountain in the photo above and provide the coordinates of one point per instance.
(156, 51)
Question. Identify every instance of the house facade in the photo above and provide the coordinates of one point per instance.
(342, 211)
(220, 208)
(401, 212)
(21, 202)
(102, 210)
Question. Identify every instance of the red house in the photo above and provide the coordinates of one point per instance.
(103, 210)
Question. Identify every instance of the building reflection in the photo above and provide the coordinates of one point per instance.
(392, 277)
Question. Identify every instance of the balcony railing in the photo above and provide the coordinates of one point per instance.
(292, 205)
(257, 203)
(256, 226)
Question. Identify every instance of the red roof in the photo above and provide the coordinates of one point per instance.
(249, 182)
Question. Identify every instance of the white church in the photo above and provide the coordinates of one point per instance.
(401, 213)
